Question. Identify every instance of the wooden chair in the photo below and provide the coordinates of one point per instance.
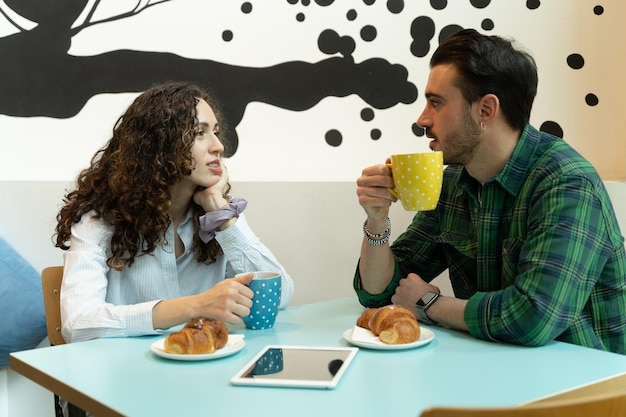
(51, 278)
(611, 404)
(51, 285)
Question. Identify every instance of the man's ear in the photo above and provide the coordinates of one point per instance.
(489, 107)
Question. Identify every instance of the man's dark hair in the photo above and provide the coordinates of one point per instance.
(491, 65)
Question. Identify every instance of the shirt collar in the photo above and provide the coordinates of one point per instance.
(515, 172)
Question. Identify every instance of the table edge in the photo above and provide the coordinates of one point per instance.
(613, 384)
(62, 390)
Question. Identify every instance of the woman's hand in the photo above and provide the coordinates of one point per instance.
(229, 300)
(213, 198)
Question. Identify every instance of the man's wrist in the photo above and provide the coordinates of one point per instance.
(377, 239)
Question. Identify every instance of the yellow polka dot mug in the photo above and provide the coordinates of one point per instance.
(417, 179)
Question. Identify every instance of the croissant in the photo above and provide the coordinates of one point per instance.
(199, 336)
(392, 324)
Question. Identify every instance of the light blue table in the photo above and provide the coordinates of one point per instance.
(122, 377)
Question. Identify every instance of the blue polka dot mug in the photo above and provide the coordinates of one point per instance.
(265, 301)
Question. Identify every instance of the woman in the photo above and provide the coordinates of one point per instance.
(150, 232)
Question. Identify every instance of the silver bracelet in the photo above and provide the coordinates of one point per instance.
(377, 239)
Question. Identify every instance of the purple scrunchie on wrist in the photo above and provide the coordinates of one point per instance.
(210, 221)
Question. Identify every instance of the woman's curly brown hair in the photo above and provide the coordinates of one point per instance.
(128, 182)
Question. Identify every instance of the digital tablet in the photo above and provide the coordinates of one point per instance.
(296, 366)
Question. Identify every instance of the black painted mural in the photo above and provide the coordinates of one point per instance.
(39, 77)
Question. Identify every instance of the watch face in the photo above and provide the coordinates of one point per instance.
(427, 298)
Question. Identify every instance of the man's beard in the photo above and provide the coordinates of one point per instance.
(462, 143)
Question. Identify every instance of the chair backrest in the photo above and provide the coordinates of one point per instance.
(51, 278)
(611, 404)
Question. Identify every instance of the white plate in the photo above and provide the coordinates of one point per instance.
(235, 344)
(426, 336)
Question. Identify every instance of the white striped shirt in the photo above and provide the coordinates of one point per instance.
(97, 301)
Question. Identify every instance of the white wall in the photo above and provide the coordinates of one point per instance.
(291, 143)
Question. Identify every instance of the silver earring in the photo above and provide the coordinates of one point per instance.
(482, 126)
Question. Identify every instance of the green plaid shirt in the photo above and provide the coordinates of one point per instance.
(536, 250)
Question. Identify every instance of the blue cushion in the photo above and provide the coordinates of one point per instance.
(22, 315)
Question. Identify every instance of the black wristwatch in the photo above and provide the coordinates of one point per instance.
(424, 304)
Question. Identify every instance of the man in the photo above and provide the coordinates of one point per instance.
(524, 224)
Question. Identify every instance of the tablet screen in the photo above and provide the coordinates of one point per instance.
(296, 366)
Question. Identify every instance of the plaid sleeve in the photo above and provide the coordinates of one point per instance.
(559, 264)
(376, 300)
